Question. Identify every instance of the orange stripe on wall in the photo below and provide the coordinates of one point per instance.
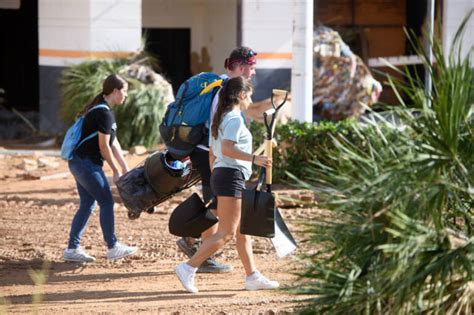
(82, 54)
(265, 55)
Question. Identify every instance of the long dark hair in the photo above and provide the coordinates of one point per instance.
(228, 98)
(112, 82)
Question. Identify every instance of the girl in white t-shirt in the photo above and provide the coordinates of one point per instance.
(231, 159)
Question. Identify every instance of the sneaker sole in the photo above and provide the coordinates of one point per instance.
(259, 289)
(123, 256)
(78, 260)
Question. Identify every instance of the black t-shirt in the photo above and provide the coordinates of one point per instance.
(101, 120)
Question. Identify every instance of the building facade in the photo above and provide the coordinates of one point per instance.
(188, 36)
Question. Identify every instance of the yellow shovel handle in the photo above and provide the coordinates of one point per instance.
(268, 153)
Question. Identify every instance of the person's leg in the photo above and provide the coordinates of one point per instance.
(87, 204)
(229, 214)
(244, 248)
(79, 222)
(228, 221)
(254, 280)
(200, 161)
(106, 202)
(95, 183)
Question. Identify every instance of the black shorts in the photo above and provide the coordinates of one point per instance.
(228, 182)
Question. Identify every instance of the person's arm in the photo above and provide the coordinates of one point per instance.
(117, 151)
(106, 152)
(212, 159)
(229, 149)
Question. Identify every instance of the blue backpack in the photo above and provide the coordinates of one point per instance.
(186, 121)
(73, 135)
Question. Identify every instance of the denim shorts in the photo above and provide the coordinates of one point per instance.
(227, 182)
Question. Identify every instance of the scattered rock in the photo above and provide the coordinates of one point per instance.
(48, 162)
(28, 165)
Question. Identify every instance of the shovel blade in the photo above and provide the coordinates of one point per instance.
(283, 241)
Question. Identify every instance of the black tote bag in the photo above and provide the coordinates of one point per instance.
(191, 218)
(258, 211)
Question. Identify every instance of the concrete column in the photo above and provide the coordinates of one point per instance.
(302, 70)
(72, 31)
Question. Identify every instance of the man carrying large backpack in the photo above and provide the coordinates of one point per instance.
(241, 62)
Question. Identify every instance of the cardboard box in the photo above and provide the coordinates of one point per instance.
(380, 12)
(333, 13)
(385, 41)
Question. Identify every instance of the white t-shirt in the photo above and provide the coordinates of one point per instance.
(232, 127)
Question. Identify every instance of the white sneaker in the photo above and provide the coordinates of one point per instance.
(120, 251)
(186, 275)
(256, 281)
(77, 255)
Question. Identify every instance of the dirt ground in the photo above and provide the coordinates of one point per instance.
(35, 217)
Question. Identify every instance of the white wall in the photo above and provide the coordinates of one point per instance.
(71, 30)
(115, 25)
(453, 15)
(213, 24)
(267, 27)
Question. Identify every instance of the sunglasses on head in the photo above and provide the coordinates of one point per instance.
(247, 52)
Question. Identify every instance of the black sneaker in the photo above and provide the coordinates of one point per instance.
(185, 245)
(212, 266)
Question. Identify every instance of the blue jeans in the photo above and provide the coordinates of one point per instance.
(92, 186)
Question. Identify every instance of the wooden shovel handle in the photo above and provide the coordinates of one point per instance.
(268, 153)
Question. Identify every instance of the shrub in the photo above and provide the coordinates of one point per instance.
(399, 240)
(300, 143)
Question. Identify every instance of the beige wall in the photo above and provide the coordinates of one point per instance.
(213, 24)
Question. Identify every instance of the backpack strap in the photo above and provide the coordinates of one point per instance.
(95, 132)
(97, 107)
(179, 110)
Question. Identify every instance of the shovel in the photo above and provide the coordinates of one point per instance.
(283, 241)
(260, 217)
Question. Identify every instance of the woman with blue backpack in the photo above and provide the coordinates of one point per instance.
(98, 142)
(242, 62)
(232, 159)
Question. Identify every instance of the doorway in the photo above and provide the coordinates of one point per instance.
(19, 66)
(172, 49)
